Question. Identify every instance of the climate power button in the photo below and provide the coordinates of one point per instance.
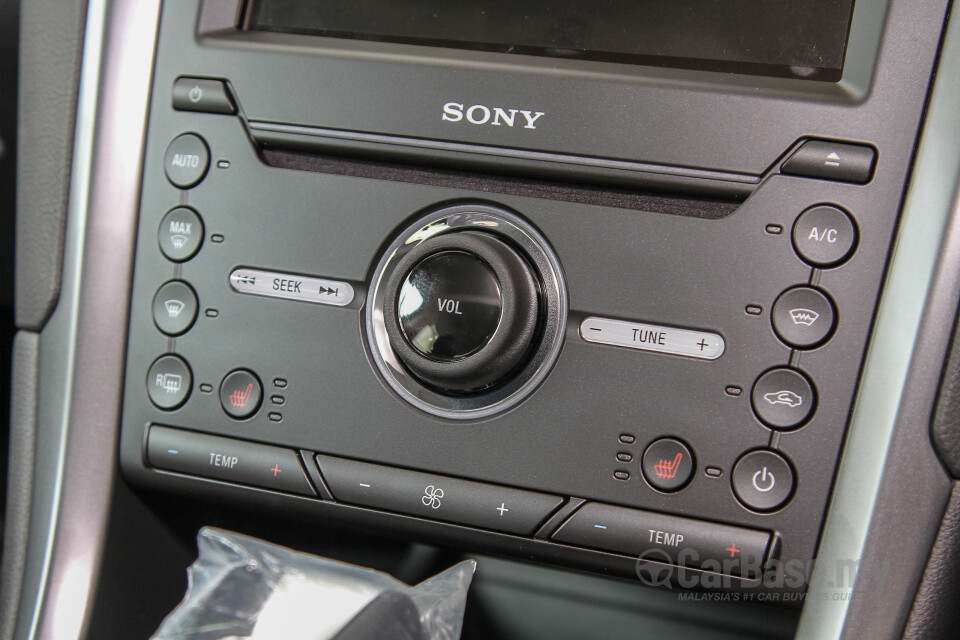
(762, 480)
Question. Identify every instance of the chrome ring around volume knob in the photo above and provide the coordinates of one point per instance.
(465, 312)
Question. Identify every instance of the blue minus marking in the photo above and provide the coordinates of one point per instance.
(173, 451)
(599, 526)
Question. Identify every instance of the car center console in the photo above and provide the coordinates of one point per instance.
(571, 299)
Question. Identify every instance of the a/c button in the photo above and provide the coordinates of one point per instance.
(824, 236)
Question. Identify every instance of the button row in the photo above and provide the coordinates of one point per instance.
(762, 480)
(170, 383)
(692, 543)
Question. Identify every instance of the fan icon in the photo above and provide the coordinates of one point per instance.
(431, 496)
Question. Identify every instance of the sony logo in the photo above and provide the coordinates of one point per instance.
(496, 116)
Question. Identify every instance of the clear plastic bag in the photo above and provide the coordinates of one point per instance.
(244, 588)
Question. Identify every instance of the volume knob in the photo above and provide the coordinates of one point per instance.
(462, 311)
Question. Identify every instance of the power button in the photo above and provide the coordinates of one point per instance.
(762, 480)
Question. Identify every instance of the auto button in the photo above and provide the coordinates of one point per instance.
(437, 497)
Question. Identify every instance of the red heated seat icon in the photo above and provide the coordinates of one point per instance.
(240, 398)
(667, 469)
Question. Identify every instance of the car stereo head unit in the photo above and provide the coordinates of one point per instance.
(586, 287)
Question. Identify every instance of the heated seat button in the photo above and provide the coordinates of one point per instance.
(240, 394)
(169, 382)
(824, 236)
(803, 317)
(227, 459)
(180, 234)
(437, 497)
(186, 160)
(783, 398)
(661, 538)
(449, 306)
(832, 161)
(762, 480)
(667, 464)
(202, 94)
(175, 308)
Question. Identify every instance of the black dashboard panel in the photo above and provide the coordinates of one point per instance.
(801, 182)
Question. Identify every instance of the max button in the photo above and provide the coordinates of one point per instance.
(180, 234)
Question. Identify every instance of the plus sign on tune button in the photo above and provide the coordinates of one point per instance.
(762, 480)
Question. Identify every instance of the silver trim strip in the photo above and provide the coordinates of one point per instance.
(83, 344)
(919, 293)
(420, 144)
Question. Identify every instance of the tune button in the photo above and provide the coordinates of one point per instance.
(803, 317)
(186, 160)
(824, 236)
(169, 382)
(667, 464)
(762, 480)
(783, 398)
(180, 234)
(175, 308)
(241, 394)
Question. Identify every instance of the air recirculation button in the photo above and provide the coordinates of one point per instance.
(462, 311)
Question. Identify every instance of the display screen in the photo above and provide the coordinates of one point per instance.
(787, 38)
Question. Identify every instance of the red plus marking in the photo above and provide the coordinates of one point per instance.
(733, 549)
(276, 469)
